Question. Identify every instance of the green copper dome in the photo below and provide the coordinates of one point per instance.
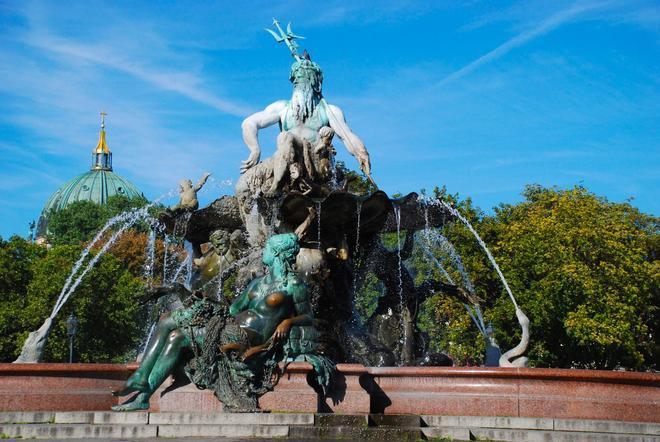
(96, 185)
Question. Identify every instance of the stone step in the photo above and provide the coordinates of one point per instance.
(449, 433)
(111, 425)
(165, 418)
(9, 417)
(508, 435)
(229, 430)
(175, 418)
(608, 426)
(80, 431)
(109, 417)
(488, 422)
(574, 425)
(355, 433)
(101, 417)
(341, 420)
(394, 420)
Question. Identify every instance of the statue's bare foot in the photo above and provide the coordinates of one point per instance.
(131, 406)
(132, 387)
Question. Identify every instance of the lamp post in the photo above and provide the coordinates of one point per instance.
(71, 329)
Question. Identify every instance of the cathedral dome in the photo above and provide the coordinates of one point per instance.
(96, 185)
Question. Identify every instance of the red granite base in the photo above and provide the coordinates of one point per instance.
(60, 387)
(524, 392)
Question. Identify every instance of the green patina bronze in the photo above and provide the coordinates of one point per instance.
(235, 350)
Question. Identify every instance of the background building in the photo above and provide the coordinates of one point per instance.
(96, 185)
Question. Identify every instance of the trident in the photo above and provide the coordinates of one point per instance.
(288, 37)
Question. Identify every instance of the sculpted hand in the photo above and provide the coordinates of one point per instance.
(250, 162)
(282, 331)
(365, 165)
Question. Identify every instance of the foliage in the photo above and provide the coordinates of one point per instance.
(366, 297)
(75, 223)
(17, 257)
(357, 182)
(105, 303)
(587, 273)
(583, 269)
(79, 221)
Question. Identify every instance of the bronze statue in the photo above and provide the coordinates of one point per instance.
(257, 322)
(223, 253)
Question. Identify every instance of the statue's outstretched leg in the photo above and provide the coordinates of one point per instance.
(139, 380)
(162, 367)
(282, 159)
(168, 359)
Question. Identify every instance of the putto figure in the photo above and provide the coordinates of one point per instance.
(301, 118)
(188, 195)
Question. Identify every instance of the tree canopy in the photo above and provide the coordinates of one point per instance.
(587, 272)
(583, 269)
(79, 221)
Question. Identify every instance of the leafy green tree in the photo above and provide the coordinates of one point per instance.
(105, 303)
(79, 221)
(586, 272)
(357, 182)
(17, 257)
(583, 269)
(75, 223)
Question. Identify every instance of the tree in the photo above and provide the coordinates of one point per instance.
(17, 257)
(105, 303)
(80, 220)
(586, 272)
(583, 269)
(357, 182)
(75, 223)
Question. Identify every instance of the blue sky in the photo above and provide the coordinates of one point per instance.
(483, 97)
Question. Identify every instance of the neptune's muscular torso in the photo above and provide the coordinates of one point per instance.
(309, 130)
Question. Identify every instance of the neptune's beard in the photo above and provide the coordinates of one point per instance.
(303, 101)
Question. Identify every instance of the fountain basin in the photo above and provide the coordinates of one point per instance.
(457, 391)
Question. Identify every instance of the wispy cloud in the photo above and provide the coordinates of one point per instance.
(550, 23)
(183, 83)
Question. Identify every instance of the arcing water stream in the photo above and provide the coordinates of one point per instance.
(467, 224)
(129, 219)
(505, 359)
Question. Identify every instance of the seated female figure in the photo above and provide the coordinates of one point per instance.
(265, 312)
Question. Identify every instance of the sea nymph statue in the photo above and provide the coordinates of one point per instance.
(235, 350)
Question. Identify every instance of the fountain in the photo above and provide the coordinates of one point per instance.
(338, 240)
(298, 247)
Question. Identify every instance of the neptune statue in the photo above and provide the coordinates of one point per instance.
(300, 119)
